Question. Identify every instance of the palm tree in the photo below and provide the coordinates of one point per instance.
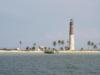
(20, 43)
(59, 42)
(62, 43)
(92, 45)
(95, 47)
(27, 48)
(88, 43)
(45, 48)
(82, 49)
(34, 46)
(54, 43)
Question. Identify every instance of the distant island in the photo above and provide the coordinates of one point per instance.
(59, 46)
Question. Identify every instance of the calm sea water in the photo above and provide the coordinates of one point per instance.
(32, 64)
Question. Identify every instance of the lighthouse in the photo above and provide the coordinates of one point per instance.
(71, 35)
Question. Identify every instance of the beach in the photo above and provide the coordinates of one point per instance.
(55, 52)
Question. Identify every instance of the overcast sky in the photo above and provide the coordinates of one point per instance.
(43, 21)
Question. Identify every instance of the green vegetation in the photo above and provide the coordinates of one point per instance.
(49, 52)
(92, 45)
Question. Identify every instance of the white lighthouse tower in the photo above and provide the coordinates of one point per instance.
(71, 36)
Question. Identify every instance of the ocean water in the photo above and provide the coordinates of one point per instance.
(49, 64)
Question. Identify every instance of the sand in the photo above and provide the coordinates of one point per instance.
(56, 52)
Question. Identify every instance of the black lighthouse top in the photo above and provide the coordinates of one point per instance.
(71, 27)
(71, 21)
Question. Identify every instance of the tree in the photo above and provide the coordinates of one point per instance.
(82, 49)
(95, 46)
(89, 43)
(59, 42)
(45, 48)
(54, 43)
(34, 46)
(20, 43)
(62, 42)
(27, 48)
(92, 45)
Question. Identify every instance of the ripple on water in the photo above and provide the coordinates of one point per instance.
(30, 64)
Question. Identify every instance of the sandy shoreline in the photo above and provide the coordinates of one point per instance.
(79, 52)
(21, 52)
(58, 52)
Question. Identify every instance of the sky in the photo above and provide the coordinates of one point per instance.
(44, 21)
